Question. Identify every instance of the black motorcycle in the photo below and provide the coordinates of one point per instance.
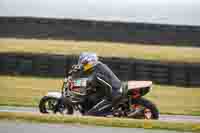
(74, 91)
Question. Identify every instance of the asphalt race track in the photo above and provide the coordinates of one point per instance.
(22, 127)
(162, 117)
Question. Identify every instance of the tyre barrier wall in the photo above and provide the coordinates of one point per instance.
(182, 74)
(27, 27)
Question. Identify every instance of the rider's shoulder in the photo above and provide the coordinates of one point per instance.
(99, 63)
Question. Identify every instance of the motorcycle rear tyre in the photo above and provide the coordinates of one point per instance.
(148, 104)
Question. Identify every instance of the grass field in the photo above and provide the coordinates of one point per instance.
(105, 49)
(99, 121)
(27, 91)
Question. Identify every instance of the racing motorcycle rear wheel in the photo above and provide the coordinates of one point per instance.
(144, 109)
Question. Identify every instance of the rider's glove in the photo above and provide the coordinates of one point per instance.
(74, 69)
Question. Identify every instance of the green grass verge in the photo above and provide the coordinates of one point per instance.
(27, 91)
(99, 121)
(104, 49)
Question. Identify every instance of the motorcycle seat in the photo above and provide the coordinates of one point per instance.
(139, 84)
(130, 85)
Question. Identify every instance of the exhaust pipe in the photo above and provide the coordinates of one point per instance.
(136, 112)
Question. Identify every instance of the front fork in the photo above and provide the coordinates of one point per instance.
(59, 107)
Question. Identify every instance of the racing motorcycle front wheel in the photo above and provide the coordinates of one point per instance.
(52, 105)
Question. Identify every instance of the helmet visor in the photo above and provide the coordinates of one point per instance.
(87, 66)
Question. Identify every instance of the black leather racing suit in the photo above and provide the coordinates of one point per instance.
(107, 86)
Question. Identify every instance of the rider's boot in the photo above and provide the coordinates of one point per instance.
(102, 108)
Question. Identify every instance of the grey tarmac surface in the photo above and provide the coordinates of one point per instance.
(22, 127)
(162, 117)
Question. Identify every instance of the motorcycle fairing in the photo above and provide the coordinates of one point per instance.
(54, 94)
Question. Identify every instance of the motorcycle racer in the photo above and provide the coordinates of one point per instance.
(91, 88)
(103, 79)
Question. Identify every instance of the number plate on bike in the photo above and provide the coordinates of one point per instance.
(80, 82)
